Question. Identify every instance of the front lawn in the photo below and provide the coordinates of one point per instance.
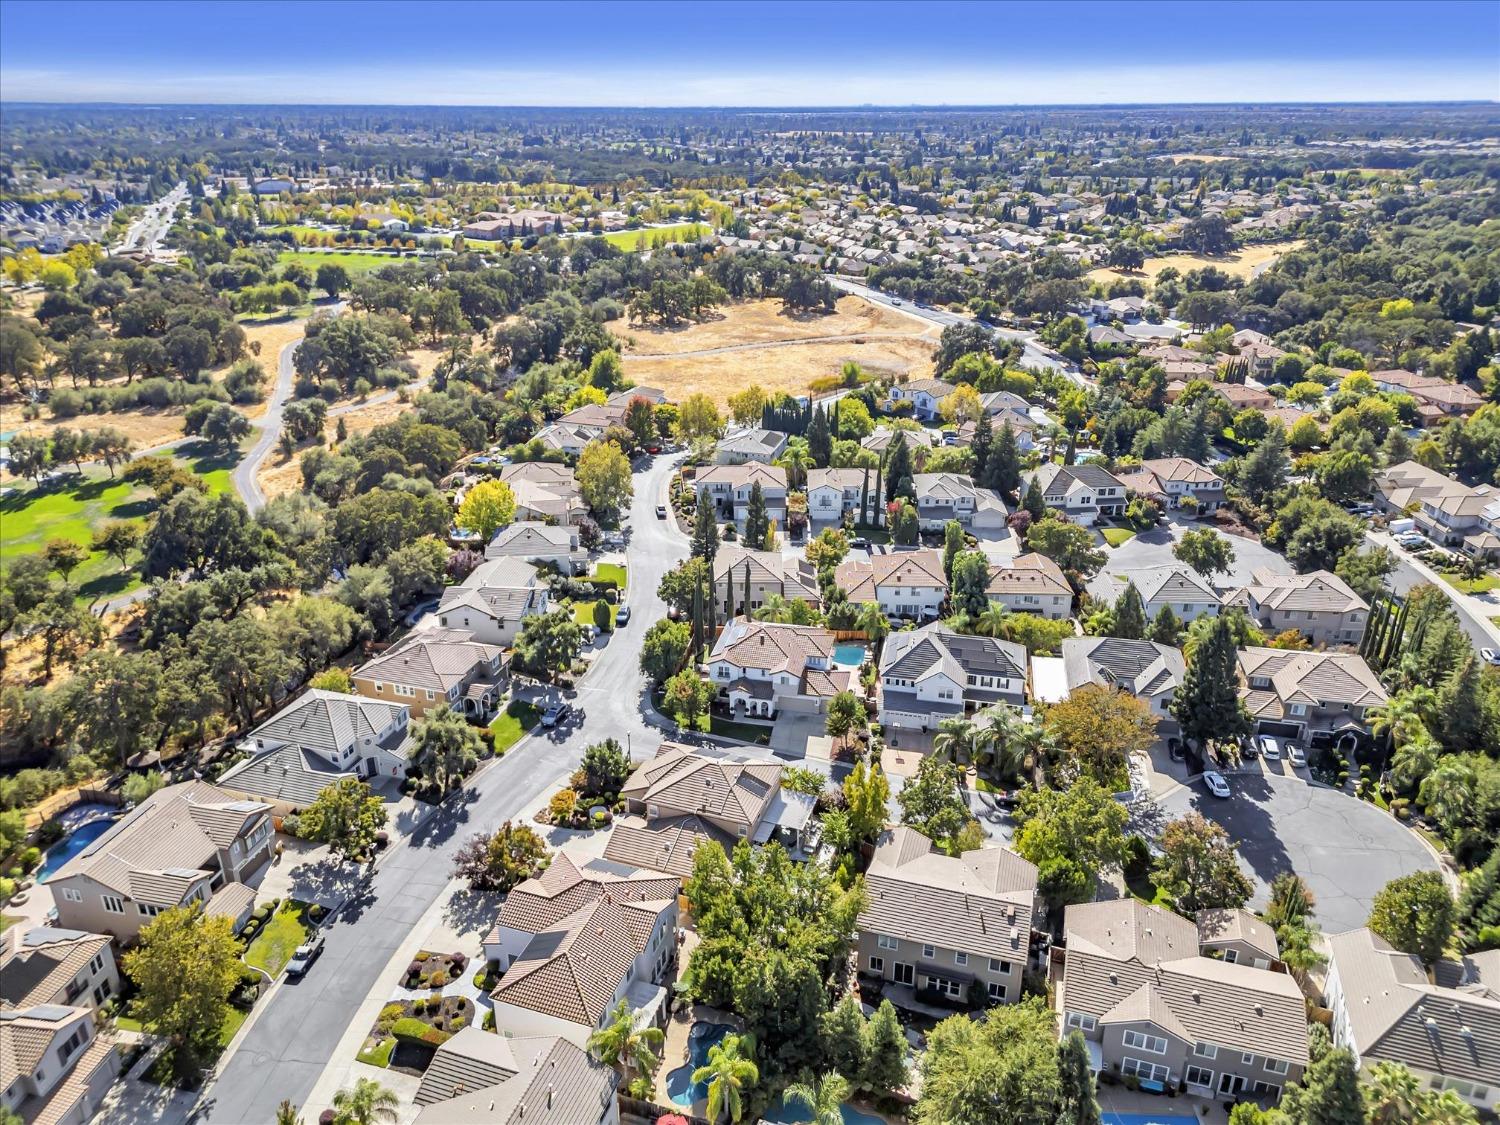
(160, 1071)
(377, 1054)
(1481, 585)
(611, 571)
(512, 723)
(745, 732)
(284, 931)
(1117, 536)
(583, 613)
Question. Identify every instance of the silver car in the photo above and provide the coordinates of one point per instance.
(1214, 782)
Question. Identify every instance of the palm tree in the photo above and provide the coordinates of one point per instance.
(728, 1074)
(627, 1048)
(286, 1114)
(1405, 716)
(1447, 793)
(1393, 1094)
(823, 1099)
(774, 608)
(1414, 761)
(1297, 951)
(367, 1104)
(872, 622)
(991, 620)
(958, 739)
(796, 461)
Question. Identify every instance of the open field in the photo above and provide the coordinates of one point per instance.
(656, 236)
(73, 506)
(354, 263)
(754, 342)
(1240, 264)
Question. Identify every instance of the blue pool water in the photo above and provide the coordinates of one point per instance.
(849, 656)
(69, 846)
(1149, 1119)
(783, 1114)
(680, 1085)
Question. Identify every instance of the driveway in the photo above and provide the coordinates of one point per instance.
(1154, 548)
(1346, 849)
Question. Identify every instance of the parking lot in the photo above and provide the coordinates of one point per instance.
(1346, 849)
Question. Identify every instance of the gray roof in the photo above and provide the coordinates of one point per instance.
(288, 775)
(764, 442)
(330, 722)
(1173, 582)
(434, 659)
(1142, 668)
(917, 653)
(478, 1078)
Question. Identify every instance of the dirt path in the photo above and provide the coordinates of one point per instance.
(855, 338)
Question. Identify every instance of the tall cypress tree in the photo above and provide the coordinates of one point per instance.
(1130, 614)
(898, 471)
(820, 439)
(745, 605)
(1003, 465)
(705, 532)
(1077, 1104)
(1034, 501)
(864, 500)
(757, 523)
(1207, 705)
(984, 438)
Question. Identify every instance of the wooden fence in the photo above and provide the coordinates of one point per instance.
(65, 799)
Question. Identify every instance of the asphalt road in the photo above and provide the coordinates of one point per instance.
(1406, 576)
(270, 430)
(147, 232)
(291, 1041)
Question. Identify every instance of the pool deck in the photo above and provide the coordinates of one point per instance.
(674, 1051)
(1137, 1103)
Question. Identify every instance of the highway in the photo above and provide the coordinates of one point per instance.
(147, 232)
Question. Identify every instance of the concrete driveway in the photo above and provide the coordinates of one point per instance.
(1154, 548)
(1346, 849)
(790, 734)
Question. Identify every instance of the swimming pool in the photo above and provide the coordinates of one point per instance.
(783, 1114)
(69, 846)
(701, 1036)
(1148, 1119)
(849, 656)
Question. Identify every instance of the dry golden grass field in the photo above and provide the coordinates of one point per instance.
(1236, 265)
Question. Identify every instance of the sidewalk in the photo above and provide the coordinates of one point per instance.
(1481, 609)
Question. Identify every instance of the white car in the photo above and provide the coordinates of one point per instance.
(1269, 748)
(1214, 782)
(1489, 656)
(1296, 755)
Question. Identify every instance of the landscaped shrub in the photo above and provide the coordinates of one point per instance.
(437, 980)
(421, 955)
(415, 1031)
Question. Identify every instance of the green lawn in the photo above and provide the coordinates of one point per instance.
(283, 932)
(609, 571)
(1481, 585)
(631, 239)
(1117, 536)
(745, 732)
(512, 723)
(583, 613)
(354, 263)
(71, 507)
(380, 1054)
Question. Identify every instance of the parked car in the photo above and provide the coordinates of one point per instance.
(860, 542)
(661, 511)
(305, 955)
(1489, 656)
(1269, 747)
(1296, 755)
(1214, 782)
(1174, 749)
(622, 615)
(555, 714)
(1248, 748)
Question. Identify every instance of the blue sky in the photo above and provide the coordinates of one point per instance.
(664, 54)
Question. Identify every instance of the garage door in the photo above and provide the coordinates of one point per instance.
(1280, 730)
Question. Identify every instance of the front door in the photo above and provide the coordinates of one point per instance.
(1230, 1085)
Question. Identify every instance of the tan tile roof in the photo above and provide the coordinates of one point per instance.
(681, 781)
(37, 964)
(1117, 948)
(795, 576)
(434, 660)
(980, 902)
(65, 1096)
(665, 844)
(543, 1080)
(838, 478)
(772, 647)
(1182, 469)
(1319, 592)
(1309, 678)
(1031, 573)
(922, 569)
(25, 1035)
(1217, 927)
(565, 888)
(573, 970)
(743, 476)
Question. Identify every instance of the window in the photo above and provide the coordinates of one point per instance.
(148, 910)
(928, 951)
(884, 941)
(999, 966)
(997, 992)
(96, 964)
(112, 904)
(1277, 1066)
(947, 987)
(1197, 1076)
(1143, 1042)
(960, 958)
(1082, 1022)
(1266, 1089)
(1145, 1071)
(1205, 1050)
(1248, 1058)
(876, 965)
(71, 895)
(1231, 955)
(903, 973)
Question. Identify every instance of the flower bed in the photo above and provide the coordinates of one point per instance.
(434, 970)
(424, 1023)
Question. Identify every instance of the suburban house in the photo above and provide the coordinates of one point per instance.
(1082, 492)
(1171, 480)
(684, 796)
(479, 1078)
(540, 543)
(317, 740)
(925, 395)
(1239, 937)
(1174, 586)
(833, 494)
(762, 446)
(1323, 697)
(945, 926)
(545, 492)
(594, 416)
(1405, 487)
(879, 441)
(933, 673)
(1458, 517)
(1445, 1027)
(759, 668)
(1149, 671)
(1007, 406)
(42, 965)
(566, 438)
(1022, 427)
(494, 599)
(904, 583)
(1319, 605)
(569, 977)
(564, 888)
(952, 496)
(1150, 1005)
(1239, 397)
(1436, 398)
(435, 668)
(727, 488)
(654, 395)
(186, 843)
(1031, 583)
(54, 1066)
(1260, 358)
(769, 572)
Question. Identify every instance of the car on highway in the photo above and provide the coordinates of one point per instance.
(661, 511)
(895, 300)
(1296, 755)
(555, 714)
(1269, 747)
(1489, 656)
(305, 955)
(622, 615)
(1214, 782)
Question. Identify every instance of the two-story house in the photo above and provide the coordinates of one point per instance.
(1176, 587)
(43, 965)
(1081, 492)
(320, 738)
(1031, 583)
(728, 488)
(760, 667)
(1436, 398)
(745, 579)
(762, 446)
(545, 492)
(684, 797)
(55, 1066)
(1456, 517)
(1319, 605)
(833, 494)
(952, 496)
(925, 395)
(436, 668)
(953, 927)
(1444, 1026)
(186, 843)
(1404, 487)
(880, 441)
(932, 673)
(1172, 480)
(478, 1077)
(1239, 937)
(1149, 671)
(903, 583)
(533, 542)
(1151, 1005)
(494, 600)
(1323, 697)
